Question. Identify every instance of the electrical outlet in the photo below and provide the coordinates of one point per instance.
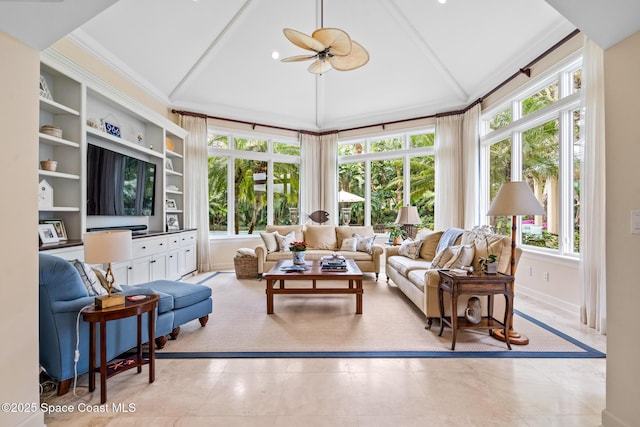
(530, 271)
(545, 276)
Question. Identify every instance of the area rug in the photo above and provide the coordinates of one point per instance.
(327, 326)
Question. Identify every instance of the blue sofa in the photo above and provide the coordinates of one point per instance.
(61, 297)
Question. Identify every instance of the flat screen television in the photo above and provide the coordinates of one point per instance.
(119, 185)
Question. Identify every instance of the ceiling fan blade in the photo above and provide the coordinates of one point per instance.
(356, 59)
(298, 58)
(302, 40)
(337, 40)
(319, 67)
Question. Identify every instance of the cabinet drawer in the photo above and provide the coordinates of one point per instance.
(149, 246)
(188, 238)
(174, 240)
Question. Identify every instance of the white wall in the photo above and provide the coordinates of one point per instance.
(622, 95)
(19, 109)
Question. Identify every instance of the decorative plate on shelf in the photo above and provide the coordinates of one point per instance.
(170, 145)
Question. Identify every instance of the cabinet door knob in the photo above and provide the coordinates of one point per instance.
(144, 247)
(152, 261)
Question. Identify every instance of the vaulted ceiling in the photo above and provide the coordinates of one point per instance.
(215, 56)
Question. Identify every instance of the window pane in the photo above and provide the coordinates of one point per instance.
(422, 188)
(246, 144)
(387, 144)
(537, 101)
(578, 155)
(286, 179)
(218, 141)
(499, 120)
(499, 173)
(350, 149)
(218, 194)
(540, 159)
(250, 193)
(386, 191)
(576, 80)
(424, 140)
(351, 179)
(286, 148)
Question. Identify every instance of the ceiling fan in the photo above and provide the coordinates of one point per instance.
(333, 48)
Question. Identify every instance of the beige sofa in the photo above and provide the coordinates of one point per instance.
(419, 282)
(322, 240)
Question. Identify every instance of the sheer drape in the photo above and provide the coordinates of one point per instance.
(471, 167)
(592, 194)
(319, 168)
(448, 180)
(196, 181)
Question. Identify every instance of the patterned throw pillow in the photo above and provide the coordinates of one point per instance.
(89, 278)
(410, 248)
(349, 244)
(463, 258)
(444, 256)
(285, 241)
(364, 243)
(270, 241)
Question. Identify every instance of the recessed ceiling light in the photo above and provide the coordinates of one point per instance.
(275, 54)
(442, 1)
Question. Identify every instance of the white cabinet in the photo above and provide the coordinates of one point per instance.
(187, 261)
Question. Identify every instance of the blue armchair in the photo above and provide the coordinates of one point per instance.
(62, 295)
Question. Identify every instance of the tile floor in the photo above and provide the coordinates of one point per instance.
(357, 392)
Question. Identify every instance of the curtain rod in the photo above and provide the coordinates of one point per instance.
(526, 70)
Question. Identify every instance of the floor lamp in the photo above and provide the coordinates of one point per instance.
(513, 199)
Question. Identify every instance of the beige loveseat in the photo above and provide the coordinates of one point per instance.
(419, 282)
(322, 240)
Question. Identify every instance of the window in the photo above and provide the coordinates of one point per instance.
(388, 172)
(253, 181)
(535, 137)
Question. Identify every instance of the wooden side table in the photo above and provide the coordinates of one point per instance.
(131, 308)
(476, 283)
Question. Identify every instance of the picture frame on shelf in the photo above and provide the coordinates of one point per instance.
(58, 225)
(44, 89)
(171, 205)
(48, 234)
(168, 164)
(172, 222)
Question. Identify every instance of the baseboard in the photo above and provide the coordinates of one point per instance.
(547, 299)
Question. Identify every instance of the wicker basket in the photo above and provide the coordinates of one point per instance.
(246, 267)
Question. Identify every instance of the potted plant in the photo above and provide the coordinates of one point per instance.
(489, 264)
(397, 235)
(298, 249)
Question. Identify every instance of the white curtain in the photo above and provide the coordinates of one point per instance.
(592, 193)
(319, 170)
(448, 175)
(471, 167)
(196, 181)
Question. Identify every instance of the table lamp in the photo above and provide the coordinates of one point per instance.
(408, 217)
(514, 198)
(105, 247)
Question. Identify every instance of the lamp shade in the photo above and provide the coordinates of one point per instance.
(102, 247)
(408, 215)
(515, 198)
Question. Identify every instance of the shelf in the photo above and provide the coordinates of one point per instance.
(173, 192)
(56, 108)
(174, 154)
(174, 173)
(55, 141)
(174, 211)
(106, 137)
(57, 174)
(59, 209)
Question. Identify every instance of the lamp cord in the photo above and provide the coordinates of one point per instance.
(76, 355)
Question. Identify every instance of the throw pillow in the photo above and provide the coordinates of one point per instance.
(429, 244)
(410, 248)
(89, 278)
(463, 258)
(285, 241)
(349, 244)
(321, 237)
(364, 243)
(270, 241)
(443, 257)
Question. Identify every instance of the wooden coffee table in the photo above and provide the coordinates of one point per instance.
(314, 273)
